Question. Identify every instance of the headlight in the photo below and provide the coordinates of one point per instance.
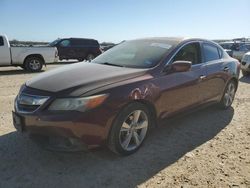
(35, 100)
(78, 104)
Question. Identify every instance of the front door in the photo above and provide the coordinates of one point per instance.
(65, 51)
(181, 90)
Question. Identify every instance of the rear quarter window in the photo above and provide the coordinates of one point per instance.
(211, 52)
(1, 41)
(93, 43)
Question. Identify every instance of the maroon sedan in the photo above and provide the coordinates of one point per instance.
(120, 95)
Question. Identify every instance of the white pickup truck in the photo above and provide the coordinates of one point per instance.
(29, 58)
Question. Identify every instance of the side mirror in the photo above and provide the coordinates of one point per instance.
(181, 66)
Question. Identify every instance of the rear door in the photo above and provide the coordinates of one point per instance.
(5, 56)
(79, 46)
(217, 71)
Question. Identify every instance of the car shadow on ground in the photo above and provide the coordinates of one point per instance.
(15, 72)
(18, 70)
(26, 165)
(245, 79)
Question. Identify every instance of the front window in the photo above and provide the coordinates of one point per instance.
(134, 54)
(65, 43)
(190, 52)
(54, 42)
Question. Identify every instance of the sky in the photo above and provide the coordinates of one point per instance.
(117, 20)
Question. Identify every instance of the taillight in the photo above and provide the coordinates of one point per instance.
(56, 53)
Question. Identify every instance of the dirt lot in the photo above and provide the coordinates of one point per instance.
(207, 148)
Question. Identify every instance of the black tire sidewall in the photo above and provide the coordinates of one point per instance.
(89, 56)
(114, 140)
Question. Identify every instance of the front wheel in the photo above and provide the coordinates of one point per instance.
(90, 57)
(228, 95)
(130, 129)
(33, 64)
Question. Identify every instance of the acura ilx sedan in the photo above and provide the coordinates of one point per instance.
(115, 99)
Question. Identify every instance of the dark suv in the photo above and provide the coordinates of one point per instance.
(77, 48)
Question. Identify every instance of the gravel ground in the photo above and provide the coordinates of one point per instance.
(206, 148)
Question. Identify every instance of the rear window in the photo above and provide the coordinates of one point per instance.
(84, 42)
(211, 52)
(1, 41)
(92, 42)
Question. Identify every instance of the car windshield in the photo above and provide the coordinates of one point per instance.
(54, 42)
(134, 54)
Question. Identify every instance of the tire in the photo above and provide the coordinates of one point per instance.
(90, 57)
(126, 137)
(33, 64)
(80, 60)
(228, 95)
(245, 73)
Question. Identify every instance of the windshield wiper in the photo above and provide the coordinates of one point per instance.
(107, 63)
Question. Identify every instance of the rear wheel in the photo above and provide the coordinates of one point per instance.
(228, 95)
(33, 64)
(90, 57)
(130, 129)
(245, 73)
(80, 59)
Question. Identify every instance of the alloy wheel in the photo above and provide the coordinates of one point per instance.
(133, 130)
(229, 94)
(34, 65)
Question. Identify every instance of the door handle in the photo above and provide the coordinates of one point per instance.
(226, 69)
(202, 77)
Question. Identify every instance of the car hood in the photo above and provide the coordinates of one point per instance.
(87, 75)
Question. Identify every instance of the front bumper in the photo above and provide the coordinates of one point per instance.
(75, 127)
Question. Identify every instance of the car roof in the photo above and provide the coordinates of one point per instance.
(173, 40)
(77, 39)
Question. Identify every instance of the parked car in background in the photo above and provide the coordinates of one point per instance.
(29, 58)
(228, 46)
(245, 64)
(236, 49)
(135, 84)
(240, 49)
(77, 48)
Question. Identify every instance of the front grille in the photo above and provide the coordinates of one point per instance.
(243, 62)
(27, 108)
